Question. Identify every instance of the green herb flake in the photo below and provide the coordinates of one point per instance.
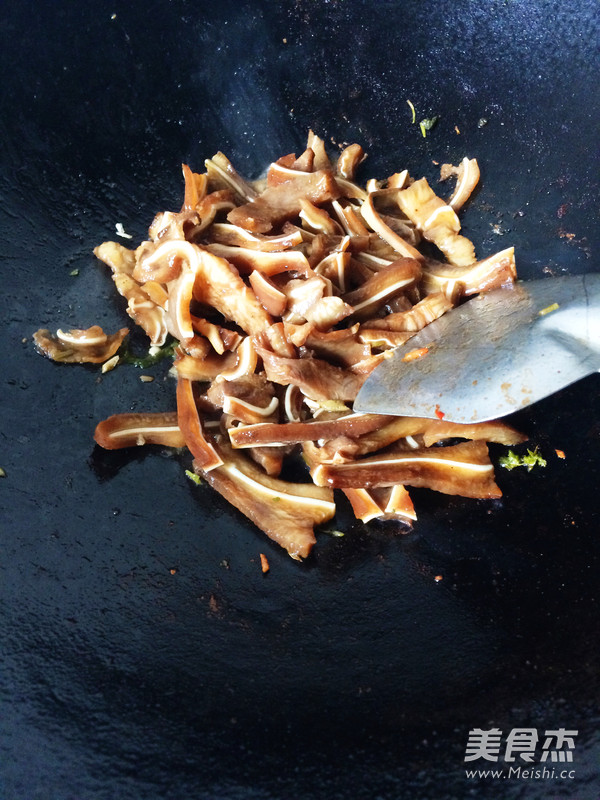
(532, 459)
(337, 534)
(414, 113)
(154, 355)
(74, 273)
(427, 124)
(193, 477)
(2, 472)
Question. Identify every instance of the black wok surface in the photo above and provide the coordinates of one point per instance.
(144, 654)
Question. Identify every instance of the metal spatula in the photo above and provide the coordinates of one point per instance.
(497, 353)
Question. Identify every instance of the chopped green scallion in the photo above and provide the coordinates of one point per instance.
(193, 477)
(531, 460)
(427, 124)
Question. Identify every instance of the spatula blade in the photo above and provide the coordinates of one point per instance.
(497, 353)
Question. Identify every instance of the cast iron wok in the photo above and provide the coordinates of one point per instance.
(144, 654)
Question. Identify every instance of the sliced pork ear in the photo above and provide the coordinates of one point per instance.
(305, 162)
(195, 188)
(160, 261)
(340, 347)
(403, 227)
(142, 309)
(393, 503)
(384, 504)
(190, 425)
(269, 458)
(397, 503)
(311, 300)
(382, 287)
(136, 429)
(276, 338)
(467, 178)
(263, 434)
(271, 298)
(327, 312)
(78, 346)
(317, 219)
(334, 268)
(437, 221)
(463, 469)
(413, 432)
(250, 399)
(218, 284)
(348, 161)
(282, 202)
(374, 219)
(281, 170)
(286, 512)
(317, 379)
(205, 369)
(349, 219)
(364, 505)
(245, 361)
(156, 292)
(415, 319)
(221, 338)
(117, 257)
(234, 236)
(398, 180)
(170, 225)
(208, 209)
(269, 263)
(197, 347)
(317, 145)
(222, 173)
(483, 276)
(435, 431)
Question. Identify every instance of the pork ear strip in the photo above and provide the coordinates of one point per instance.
(463, 469)
(135, 429)
(415, 319)
(278, 433)
(363, 504)
(394, 429)
(491, 273)
(437, 221)
(380, 288)
(316, 378)
(467, 178)
(374, 220)
(287, 512)
(234, 236)
(282, 202)
(79, 346)
(190, 425)
(269, 263)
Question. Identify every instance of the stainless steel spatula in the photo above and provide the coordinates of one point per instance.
(493, 355)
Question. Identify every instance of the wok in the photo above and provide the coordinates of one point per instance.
(144, 654)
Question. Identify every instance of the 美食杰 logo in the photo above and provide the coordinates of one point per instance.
(527, 752)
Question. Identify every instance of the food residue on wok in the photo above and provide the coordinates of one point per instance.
(282, 295)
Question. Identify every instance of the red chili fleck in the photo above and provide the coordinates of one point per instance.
(264, 563)
(439, 414)
(413, 355)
